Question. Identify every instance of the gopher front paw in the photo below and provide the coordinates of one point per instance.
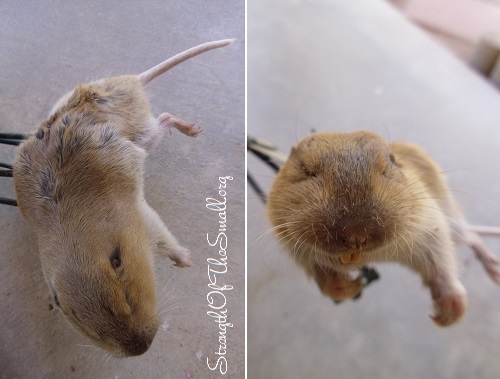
(340, 286)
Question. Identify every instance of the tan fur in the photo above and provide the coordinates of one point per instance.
(79, 184)
(340, 193)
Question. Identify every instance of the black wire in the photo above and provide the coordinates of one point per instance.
(7, 141)
(13, 135)
(256, 187)
(10, 139)
(6, 201)
(253, 183)
(6, 173)
(262, 156)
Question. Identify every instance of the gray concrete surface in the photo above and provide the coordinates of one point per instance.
(348, 65)
(46, 48)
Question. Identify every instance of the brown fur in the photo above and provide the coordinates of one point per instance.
(79, 184)
(343, 200)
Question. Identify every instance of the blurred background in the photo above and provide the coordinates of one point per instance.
(468, 28)
(372, 65)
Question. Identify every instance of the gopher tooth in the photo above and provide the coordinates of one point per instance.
(356, 257)
(350, 258)
(345, 258)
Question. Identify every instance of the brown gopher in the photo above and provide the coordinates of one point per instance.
(343, 200)
(79, 184)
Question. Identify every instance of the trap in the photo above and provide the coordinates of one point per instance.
(6, 169)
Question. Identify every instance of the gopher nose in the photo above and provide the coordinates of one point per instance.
(140, 342)
(138, 346)
(354, 237)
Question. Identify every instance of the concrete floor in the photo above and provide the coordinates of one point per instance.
(45, 49)
(344, 66)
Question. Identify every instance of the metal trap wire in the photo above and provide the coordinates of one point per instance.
(6, 169)
(271, 156)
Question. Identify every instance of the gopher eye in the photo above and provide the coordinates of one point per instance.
(308, 172)
(388, 169)
(115, 259)
(393, 160)
(56, 300)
